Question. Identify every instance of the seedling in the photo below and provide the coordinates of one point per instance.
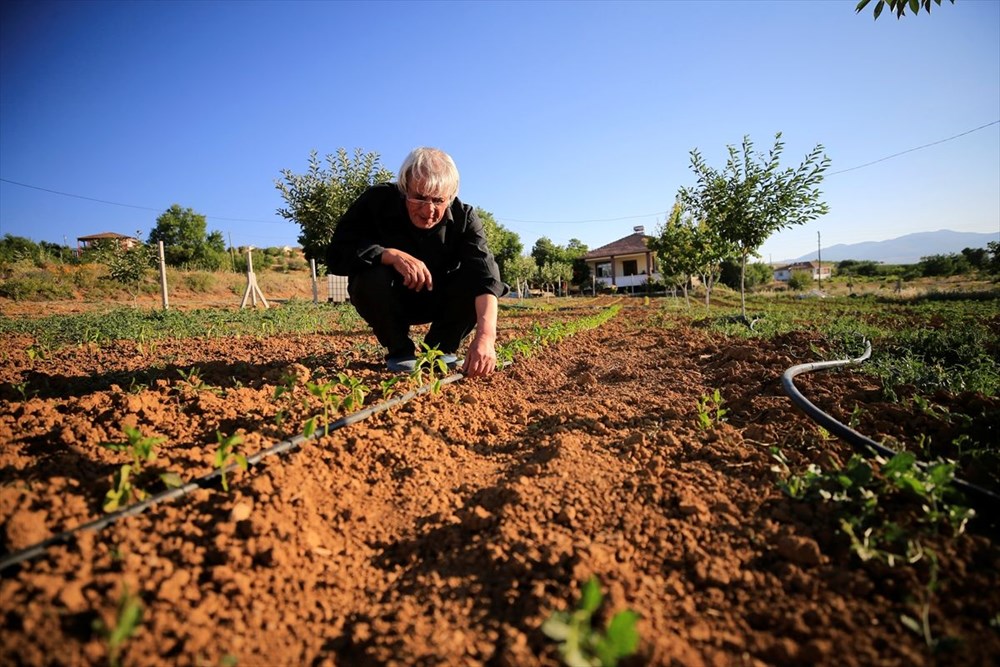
(193, 382)
(141, 448)
(356, 392)
(287, 387)
(22, 389)
(388, 387)
(331, 402)
(35, 353)
(710, 410)
(226, 451)
(431, 367)
(127, 620)
(121, 490)
(580, 644)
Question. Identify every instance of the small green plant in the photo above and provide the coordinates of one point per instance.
(710, 410)
(865, 492)
(141, 448)
(35, 353)
(388, 387)
(324, 391)
(22, 389)
(127, 620)
(580, 644)
(430, 367)
(356, 392)
(121, 490)
(193, 382)
(285, 388)
(226, 452)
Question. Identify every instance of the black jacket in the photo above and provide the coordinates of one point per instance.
(454, 248)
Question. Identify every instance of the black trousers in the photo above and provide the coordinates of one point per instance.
(390, 308)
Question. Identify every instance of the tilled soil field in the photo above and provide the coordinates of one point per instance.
(445, 530)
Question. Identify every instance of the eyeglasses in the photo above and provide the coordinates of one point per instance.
(425, 199)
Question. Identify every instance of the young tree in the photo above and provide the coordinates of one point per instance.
(185, 242)
(127, 265)
(518, 272)
(752, 198)
(674, 248)
(316, 200)
(503, 243)
(685, 247)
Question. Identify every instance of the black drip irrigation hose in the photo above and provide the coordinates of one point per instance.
(862, 443)
(213, 477)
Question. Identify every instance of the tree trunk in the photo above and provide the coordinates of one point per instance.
(743, 280)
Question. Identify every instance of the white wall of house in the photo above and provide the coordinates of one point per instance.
(628, 270)
(784, 274)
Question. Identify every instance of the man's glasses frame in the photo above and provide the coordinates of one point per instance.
(419, 200)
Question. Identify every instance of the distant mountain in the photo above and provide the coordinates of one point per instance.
(905, 249)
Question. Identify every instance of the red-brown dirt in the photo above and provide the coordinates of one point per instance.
(446, 530)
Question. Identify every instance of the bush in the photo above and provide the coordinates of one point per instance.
(800, 280)
(199, 281)
(36, 287)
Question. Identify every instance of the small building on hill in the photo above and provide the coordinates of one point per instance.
(122, 241)
(627, 262)
(816, 270)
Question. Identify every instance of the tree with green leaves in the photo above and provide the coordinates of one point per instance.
(503, 243)
(318, 198)
(545, 252)
(686, 246)
(127, 264)
(185, 242)
(992, 265)
(751, 198)
(555, 275)
(574, 254)
(898, 7)
(519, 271)
(758, 274)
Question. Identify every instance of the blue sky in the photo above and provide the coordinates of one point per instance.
(566, 119)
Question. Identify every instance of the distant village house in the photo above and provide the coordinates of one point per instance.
(627, 262)
(121, 240)
(815, 270)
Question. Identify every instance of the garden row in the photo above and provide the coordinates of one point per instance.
(655, 454)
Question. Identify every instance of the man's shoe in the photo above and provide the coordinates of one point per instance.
(401, 364)
(451, 360)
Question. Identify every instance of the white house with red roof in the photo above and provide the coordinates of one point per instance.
(627, 262)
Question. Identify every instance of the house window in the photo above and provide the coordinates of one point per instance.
(603, 270)
(630, 267)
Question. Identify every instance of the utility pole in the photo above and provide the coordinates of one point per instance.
(819, 260)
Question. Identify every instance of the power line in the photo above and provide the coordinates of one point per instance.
(115, 203)
(530, 222)
(910, 150)
(834, 173)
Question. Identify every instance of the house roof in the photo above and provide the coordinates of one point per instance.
(102, 235)
(801, 265)
(633, 244)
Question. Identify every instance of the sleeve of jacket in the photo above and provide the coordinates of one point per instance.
(354, 244)
(478, 263)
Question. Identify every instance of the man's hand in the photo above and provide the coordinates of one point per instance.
(482, 356)
(416, 275)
